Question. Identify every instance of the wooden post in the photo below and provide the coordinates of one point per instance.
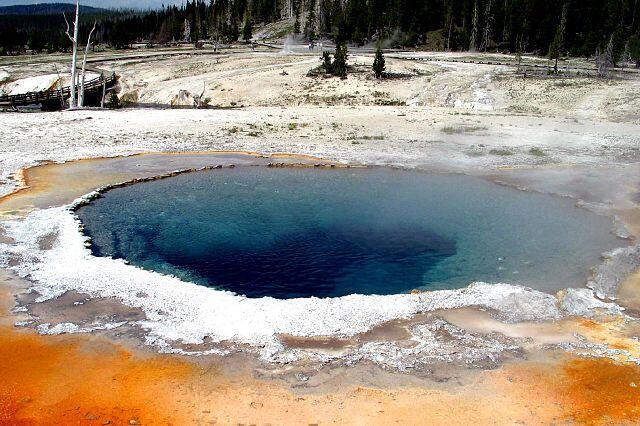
(104, 89)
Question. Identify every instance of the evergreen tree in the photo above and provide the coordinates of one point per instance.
(554, 52)
(378, 63)
(36, 41)
(113, 102)
(558, 40)
(247, 30)
(234, 32)
(519, 54)
(458, 24)
(634, 49)
(340, 61)
(310, 25)
(326, 63)
(296, 24)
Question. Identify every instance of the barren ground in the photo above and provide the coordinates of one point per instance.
(577, 137)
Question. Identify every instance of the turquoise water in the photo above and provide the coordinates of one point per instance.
(298, 232)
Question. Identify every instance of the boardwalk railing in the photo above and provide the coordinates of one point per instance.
(51, 97)
(523, 66)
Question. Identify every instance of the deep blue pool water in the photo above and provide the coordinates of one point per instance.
(291, 232)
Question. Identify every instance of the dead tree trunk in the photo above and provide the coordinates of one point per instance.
(198, 101)
(488, 23)
(449, 34)
(84, 66)
(473, 45)
(604, 60)
(74, 58)
(60, 88)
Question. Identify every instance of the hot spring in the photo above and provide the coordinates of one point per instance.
(302, 232)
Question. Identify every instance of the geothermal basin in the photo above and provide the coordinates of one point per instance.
(306, 232)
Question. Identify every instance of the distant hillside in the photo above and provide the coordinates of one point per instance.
(48, 9)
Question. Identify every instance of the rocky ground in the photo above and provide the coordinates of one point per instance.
(577, 137)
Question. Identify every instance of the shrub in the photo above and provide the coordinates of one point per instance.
(340, 61)
(378, 63)
(326, 62)
(501, 152)
(113, 102)
(537, 152)
(247, 30)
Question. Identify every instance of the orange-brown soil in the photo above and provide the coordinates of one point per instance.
(586, 390)
(87, 379)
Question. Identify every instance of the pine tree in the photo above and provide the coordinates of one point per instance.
(634, 49)
(234, 33)
(114, 101)
(296, 24)
(378, 63)
(519, 53)
(326, 63)
(310, 25)
(554, 52)
(473, 24)
(340, 61)
(247, 30)
(558, 40)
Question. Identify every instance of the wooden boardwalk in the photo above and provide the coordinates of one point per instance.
(54, 99)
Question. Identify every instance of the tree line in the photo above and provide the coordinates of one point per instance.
(568, 27)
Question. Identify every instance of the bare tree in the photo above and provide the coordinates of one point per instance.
(506, 25)
(563, 24)
(60, 88)
(604, 60)
(199, 101)
(187, 30)
(74, 58)
(488, 23)
(519, 53)
(84, 66)
(473, 45)
(557, 45)
(626, 56)
(449, 34)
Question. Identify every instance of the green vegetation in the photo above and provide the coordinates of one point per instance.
(378, 63)
(296, 24)
(373, 138)
(501, 152)
(326, 62)
(339, 65)
(634, 49)
(573, 27)
(113, 102)
(247, 29)
(537, 152)
(310, 25)
(459, 129)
